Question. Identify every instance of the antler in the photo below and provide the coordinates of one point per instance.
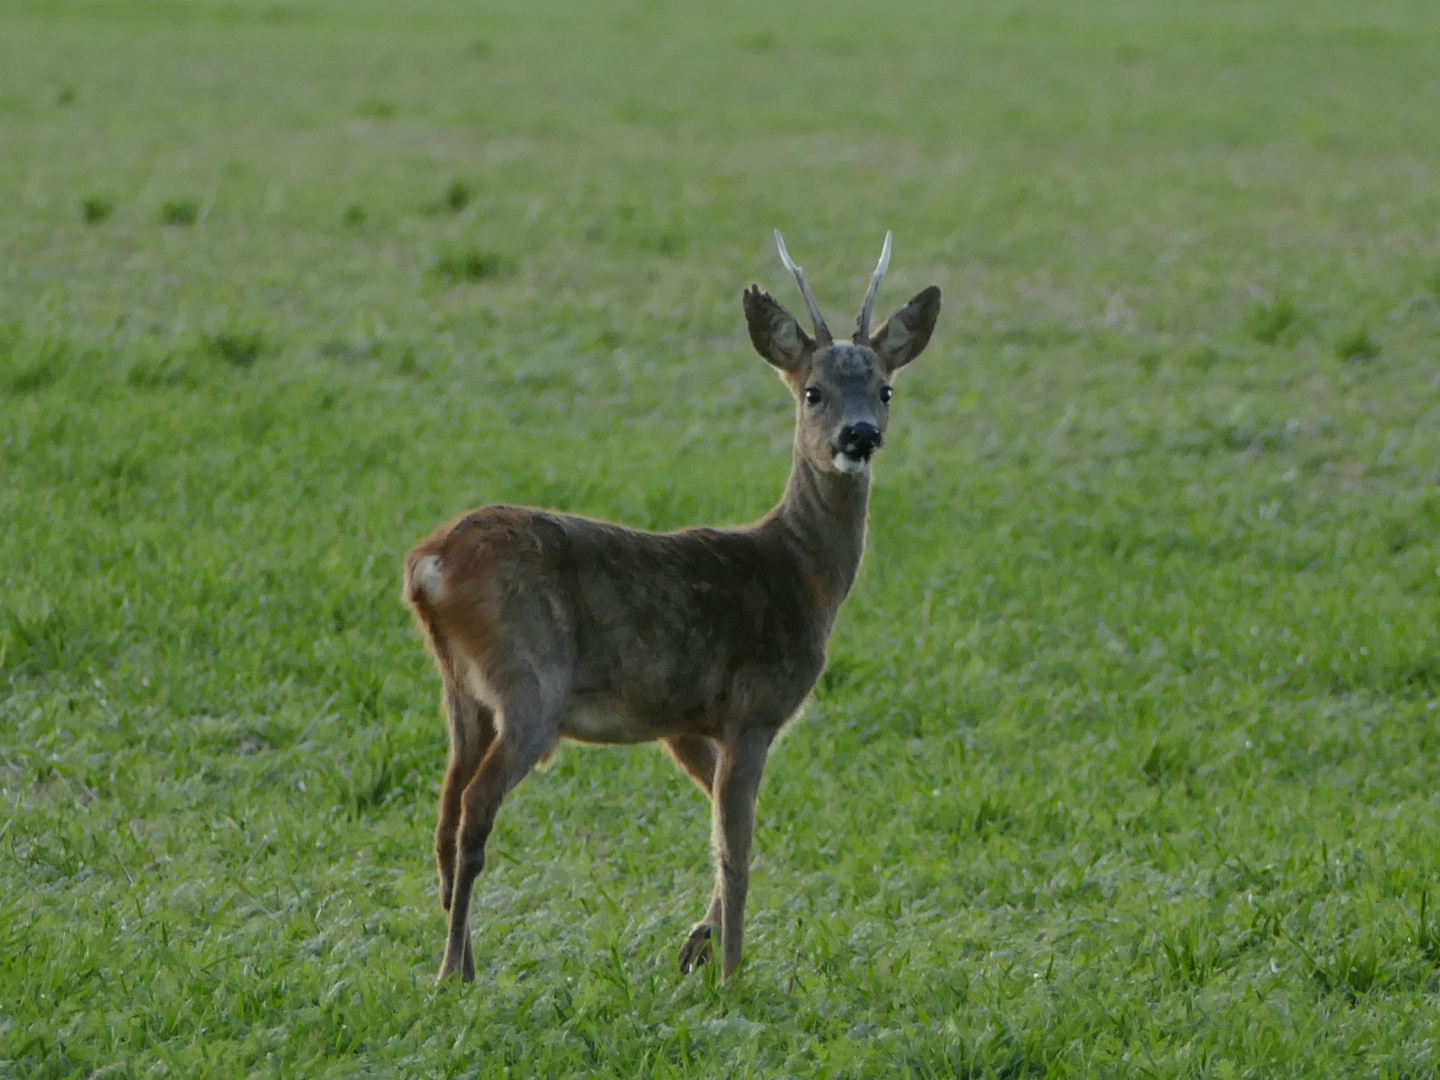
(822, 332)
(862, 324)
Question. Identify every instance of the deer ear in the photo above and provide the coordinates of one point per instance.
(907, 332)
(775, 333)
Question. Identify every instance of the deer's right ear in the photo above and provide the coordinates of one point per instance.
(775, 333)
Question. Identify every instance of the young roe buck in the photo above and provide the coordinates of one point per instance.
(548, 626)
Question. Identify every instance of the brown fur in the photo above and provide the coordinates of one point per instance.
(547, 626)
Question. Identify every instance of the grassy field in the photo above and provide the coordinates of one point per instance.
(1126, 760)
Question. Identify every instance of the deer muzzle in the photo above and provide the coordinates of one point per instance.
(859, 441)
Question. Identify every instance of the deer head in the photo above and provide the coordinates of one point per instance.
(842, 389)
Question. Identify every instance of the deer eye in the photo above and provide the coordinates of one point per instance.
(885, 395)
(812, 395)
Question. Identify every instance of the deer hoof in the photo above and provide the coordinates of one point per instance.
(451, 975)
(452, 972)
(697, 949)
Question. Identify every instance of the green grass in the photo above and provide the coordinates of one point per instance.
(469, 264)
(96, 210)
(179, 212)
(1125, 763)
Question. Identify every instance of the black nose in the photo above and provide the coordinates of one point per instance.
(860, 440)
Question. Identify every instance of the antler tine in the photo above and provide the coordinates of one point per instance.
(862, 324)
(822, 332)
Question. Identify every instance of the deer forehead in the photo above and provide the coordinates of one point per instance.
(847, 361)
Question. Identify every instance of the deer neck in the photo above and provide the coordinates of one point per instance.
(822, 515)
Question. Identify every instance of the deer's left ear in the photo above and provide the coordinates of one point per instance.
(907, 332)
(775, 333)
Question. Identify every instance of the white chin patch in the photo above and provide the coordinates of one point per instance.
(848, 464)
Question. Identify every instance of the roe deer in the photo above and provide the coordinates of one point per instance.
(547, 626)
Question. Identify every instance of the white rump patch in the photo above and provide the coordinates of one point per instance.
(846, 464)
(430, 578)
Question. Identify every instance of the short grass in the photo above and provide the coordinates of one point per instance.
(1125, 763)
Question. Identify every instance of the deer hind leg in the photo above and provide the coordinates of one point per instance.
(699, 756)
(472, 729)
(526, 730)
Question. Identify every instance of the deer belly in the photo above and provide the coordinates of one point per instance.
(603, 718)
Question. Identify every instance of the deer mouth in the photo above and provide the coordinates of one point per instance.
(848, 462)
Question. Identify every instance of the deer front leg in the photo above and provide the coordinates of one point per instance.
(698, 756)
(698, 948)
(737, 784)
